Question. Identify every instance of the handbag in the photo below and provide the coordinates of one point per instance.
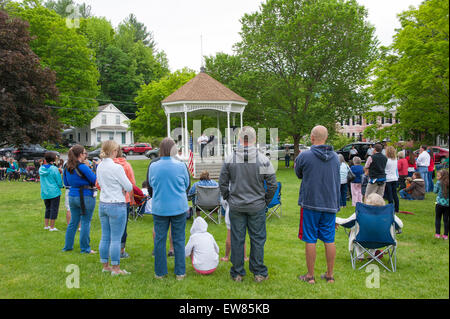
(350, 175)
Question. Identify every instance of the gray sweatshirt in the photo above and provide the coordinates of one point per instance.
(242, 179)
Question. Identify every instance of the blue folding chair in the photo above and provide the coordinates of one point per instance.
(274, 206)
(375, 229)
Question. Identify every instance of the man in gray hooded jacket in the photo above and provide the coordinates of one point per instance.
(242, 184)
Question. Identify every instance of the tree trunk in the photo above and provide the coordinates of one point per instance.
(296, 138)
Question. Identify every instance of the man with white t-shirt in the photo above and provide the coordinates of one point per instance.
(422, 162)
(202, 140)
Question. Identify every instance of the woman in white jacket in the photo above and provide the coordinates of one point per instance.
(202, 248)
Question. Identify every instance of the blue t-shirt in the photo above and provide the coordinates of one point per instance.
(358, 170)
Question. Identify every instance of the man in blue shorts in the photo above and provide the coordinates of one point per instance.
(319, 200)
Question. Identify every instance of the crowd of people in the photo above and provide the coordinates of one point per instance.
(247, 184)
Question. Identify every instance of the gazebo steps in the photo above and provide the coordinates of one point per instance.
(212, 165)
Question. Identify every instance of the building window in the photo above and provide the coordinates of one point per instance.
(111, 135)
(99, 136)
(103, 118)
(117, 119)
(359, 120)
(86, 137)
(124, 137)
(382, 120)
(79, 137)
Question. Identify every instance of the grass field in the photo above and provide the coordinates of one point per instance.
(32, 264)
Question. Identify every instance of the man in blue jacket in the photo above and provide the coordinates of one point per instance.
(319, 200)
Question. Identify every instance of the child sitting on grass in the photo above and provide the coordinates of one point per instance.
(202, 248)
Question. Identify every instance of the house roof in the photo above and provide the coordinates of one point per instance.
(204, 88)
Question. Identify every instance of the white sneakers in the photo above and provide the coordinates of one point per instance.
(51, 229)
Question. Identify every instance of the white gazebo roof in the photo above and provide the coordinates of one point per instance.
(203, 95)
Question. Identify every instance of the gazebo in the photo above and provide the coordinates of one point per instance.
(203, 95)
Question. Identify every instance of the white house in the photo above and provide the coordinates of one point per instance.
(108, 124)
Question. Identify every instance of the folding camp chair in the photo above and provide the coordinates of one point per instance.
(207, 200)
(275, 204)
(375, 229)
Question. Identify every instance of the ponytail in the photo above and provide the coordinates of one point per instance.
(73, 154)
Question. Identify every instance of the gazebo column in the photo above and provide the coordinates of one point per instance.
(229, 134)
(219, 140)
(242, 122)
(168, 124)
(186, 139)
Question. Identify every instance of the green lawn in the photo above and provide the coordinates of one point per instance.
(32, 264)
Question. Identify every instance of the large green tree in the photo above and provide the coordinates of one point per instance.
(412, 74)
(151, 119)
(67, 53)
(311, 57)
(24, 88)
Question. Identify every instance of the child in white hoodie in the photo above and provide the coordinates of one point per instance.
(202, 248)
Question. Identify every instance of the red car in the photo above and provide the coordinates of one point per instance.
(137, 148)
(439, 153)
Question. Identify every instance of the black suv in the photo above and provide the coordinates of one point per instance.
(31, 152)
(361, 147)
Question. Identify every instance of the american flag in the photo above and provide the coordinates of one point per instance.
(191, 163)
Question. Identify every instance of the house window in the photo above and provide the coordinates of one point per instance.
(382, 120)
(124, 137)
(79, 137)
(86, 137)
(99, 136)
(117, 119)
(111, 135)
(103, 118)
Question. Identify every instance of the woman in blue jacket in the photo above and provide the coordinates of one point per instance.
(51, 185)
(169, 179)
(81, 180)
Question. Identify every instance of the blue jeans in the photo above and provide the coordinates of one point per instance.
(75, 211)
(423, 170)
(430, 182)
(255, 222)
(178, 229)
(287, 160)
(405, 195)
(113, 217)
(343, 201)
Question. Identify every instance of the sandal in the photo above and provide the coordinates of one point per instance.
(307, 279)
(328, 279)
(120, 272)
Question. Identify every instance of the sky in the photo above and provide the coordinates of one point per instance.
(188, 29)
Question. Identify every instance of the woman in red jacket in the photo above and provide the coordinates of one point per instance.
(402, 166)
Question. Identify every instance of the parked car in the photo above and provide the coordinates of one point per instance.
(280, 152)
(151, 154)
(31, 152)
(137, 148)
(361, 147)
(94, 153)
(69, 143)
(7, 151)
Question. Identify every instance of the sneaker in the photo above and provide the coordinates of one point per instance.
(437, 236)
(121, 272)
(445, 237)
(160, 277)
(53, 229)
(47, 227)
(171, 253)
(181, 277)
(260, 278)
(238, 278)
(124, 255)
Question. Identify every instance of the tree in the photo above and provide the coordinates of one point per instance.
(136, 31)
(151, 119)
(24, 87)
(412, 73)
(66, 52)
(312, 56)
(67, 8)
